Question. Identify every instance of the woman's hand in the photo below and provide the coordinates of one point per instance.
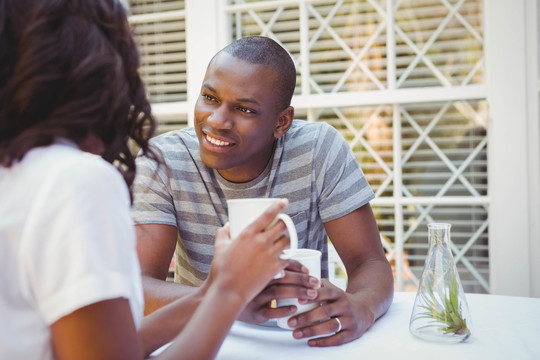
(246, 264)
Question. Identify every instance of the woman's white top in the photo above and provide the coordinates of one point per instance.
(66, 241)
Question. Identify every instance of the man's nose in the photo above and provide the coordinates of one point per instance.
(220, 119)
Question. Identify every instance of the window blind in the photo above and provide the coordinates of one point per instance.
(159, 27)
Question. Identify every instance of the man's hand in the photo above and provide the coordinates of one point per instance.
(295, 284)
(345, 316)
(354, 318)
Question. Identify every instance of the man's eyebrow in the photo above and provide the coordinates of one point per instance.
(205, 85)
(248, 100)
(242, 100)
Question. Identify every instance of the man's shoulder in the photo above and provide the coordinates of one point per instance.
(311, 131)
(176, 140)
(303, 125)
(174, 135)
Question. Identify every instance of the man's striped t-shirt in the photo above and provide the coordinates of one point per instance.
(312, 166)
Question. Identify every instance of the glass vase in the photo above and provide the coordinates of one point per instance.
(440, 312)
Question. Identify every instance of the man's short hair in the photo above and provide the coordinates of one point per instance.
(262, 50)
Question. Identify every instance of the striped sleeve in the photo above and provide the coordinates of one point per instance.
(152, 200)
(339, 179)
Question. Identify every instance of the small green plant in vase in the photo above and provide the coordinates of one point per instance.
(440, 311)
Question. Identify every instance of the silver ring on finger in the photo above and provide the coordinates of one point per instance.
(339, 325)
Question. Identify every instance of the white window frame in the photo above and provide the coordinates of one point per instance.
(512, 63)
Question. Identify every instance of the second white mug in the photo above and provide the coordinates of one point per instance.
(311, 259)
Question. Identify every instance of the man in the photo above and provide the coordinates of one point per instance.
(246, 144)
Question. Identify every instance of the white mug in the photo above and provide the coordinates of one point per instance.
(242, 212)
(311, 259)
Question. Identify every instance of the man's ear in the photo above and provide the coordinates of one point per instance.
(284, 122)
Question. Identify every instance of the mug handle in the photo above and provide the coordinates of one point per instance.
(287, 254)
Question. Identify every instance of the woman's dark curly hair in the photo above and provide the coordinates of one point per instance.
(69, 68)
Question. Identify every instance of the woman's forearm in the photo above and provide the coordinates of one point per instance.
(164, 324)
(208, 327)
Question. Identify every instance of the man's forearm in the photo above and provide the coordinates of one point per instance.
(372, 284)
(158, 293)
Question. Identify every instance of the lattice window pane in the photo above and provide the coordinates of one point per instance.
(346, 45)
(444, 153)
(350, 36)
(469, 242)
(439, 43)
(444, 149)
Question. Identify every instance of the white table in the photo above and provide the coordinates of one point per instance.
(503, 327)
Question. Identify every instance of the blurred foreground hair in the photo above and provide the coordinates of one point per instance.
(69, 68)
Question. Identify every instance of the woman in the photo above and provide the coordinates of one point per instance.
(70, 101)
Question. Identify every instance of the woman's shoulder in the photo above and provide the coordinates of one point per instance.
(72, 160)
(61, 165)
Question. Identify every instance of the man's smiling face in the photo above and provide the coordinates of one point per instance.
(236, 117)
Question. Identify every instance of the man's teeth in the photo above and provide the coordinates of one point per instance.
(216, 141)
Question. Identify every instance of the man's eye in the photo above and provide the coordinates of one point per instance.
(208, 97)
(245, 109)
